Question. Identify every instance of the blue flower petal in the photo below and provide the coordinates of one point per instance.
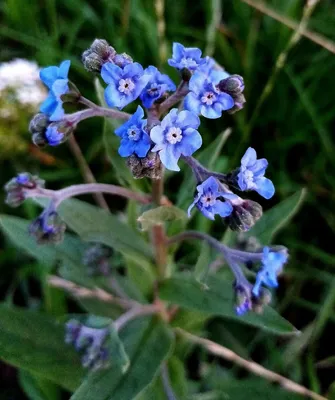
(60, 87)
(157, 134)
(226, 101)
(169, 159)
(265, 188)
(64, 69)
(58, 113)
(48, 75)
(111, 73)
(187, 119)
(249, 157)
(112, 96)
(210, 112)
(223, 208)
(191, 142)
(49, 105)
(192, 103)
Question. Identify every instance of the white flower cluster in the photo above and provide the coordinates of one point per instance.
(20, 78)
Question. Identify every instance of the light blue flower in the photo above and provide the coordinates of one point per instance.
(56, 79)
(204, 98)
(158, 84)
(176, 135)
(185, 57)
(53, 136)
(134, 139)
(251, 175)
(272, 264)
(210, 200)
(124, 84)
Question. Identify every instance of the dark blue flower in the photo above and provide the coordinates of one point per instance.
(24, 179)
(176, 135)
(156, 87)
(48, 227)
(56, 79)
(204, 98)
(210, 200)
(124, 85)
(53, 136)
(134, 139)
(185, 57)
(272, 264)
(251, 175)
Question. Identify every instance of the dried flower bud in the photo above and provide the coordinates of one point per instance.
(122, 59)
(146, 167)
(239, 103)
(232, 85)
(244, 215)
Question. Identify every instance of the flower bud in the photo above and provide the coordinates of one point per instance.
(91, 340)
(48, 228)
(262, 300)
(122, 60)
(38, 123)
(243, 298)
(232, 85)
(98, 54)
(17, 187)
(244, 215)
(96, 259)
(146, 167)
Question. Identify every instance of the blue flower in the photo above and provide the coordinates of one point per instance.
(176, 135)
(23, 178)
(185, 57)
(124, 85)
(251, 175)
(156, 87)
(56, 79)
(134, 138)
(205, 98)
(272, 264)
(53, 136)
(208, 200)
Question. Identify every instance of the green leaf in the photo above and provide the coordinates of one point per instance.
(17, 230)
(118, 354)
(159, 215)
(96, 225)
(273, 220)
(147, 342)
(183, 290)
(35, 343)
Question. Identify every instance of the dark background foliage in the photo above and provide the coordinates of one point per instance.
(292, 128)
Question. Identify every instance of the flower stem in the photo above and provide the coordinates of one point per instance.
(96, 111)
(133, 313)
(60, 195)
(178, 95)
(158, 236)
(86, 171)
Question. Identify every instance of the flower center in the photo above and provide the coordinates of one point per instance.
(208, 200)
(174, 135)
(126, 86)
(249, 177)
(208, 98)
(188, 62)
(133, 133)
(153, 89)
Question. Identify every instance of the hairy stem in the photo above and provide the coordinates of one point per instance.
(158, 231)
(96, 111)
(60, 195)
(175, 98)
(133, 313)
(86, 171)
(251, 366)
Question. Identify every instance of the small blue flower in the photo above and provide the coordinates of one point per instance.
(156, 87)
(176, 135)
(186, 57)
(251, 175)
(208, 200)
(272, 264)
(53, 136)
(124, 84)
(23, 178)
(205, 98)
(56, 79)
(134, 138)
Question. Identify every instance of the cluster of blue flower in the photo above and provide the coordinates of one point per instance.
(170, 134)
